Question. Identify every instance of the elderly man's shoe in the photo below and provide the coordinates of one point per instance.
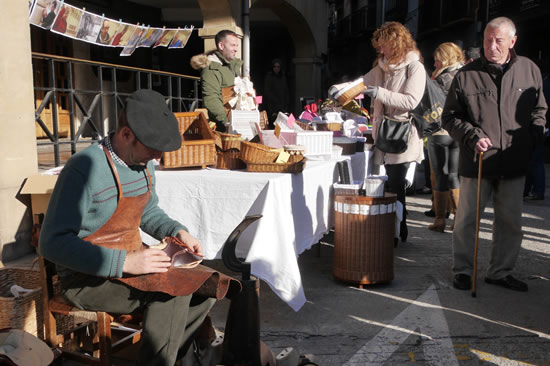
(462, 281)
(508, 282)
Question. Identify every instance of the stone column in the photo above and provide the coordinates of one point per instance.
(308, 80)
(18, 154)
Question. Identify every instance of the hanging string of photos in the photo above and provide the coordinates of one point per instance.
(70, 21)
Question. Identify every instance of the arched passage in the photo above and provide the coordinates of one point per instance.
(292, 36)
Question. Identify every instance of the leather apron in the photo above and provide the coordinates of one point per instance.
(121, 232)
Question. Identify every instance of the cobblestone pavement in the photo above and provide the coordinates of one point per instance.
(419, 318)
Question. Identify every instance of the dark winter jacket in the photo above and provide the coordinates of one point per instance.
(216, 73)
(508, 107)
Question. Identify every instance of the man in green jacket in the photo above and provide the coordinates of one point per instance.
(218, 70)
(496, 106)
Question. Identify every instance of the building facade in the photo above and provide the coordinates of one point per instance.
(318, 42)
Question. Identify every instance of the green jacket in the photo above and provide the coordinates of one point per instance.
(216, 73)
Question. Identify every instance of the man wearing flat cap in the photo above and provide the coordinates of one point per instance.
(103, 196)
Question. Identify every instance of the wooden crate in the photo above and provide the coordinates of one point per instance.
(197, 148)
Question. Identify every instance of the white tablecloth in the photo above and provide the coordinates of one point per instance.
(297, 212)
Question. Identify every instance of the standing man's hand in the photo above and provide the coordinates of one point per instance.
(483, 144)
(146, 261)
(192, 243)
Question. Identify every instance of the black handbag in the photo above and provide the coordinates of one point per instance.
(393, 136)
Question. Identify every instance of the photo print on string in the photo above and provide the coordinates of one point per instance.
(150, 37)
(166, 38)
(181, 37)
(107, 32)
(44, 12)
(67, 20)
(123, 34)
(133, 41)
(89, 28)
(31, 3)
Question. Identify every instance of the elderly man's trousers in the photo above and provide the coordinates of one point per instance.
(507, 199)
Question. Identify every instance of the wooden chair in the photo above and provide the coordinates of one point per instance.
(107, 338)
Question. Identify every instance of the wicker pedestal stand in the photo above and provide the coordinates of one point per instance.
(364, 230)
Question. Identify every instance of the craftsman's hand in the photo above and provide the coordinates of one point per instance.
(193, 244)
(146, 261)
(371, 91)
(483, 144)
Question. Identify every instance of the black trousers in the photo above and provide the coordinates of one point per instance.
(443, 152)
(396, 183)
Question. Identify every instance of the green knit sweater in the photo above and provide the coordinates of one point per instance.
(84, 198)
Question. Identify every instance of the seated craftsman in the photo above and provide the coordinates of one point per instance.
(103, 196)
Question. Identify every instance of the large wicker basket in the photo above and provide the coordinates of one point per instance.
(364, 230)
(197, 148)
(24, 311)
(257, 153)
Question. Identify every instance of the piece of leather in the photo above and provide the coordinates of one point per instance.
(182, 281)
(179, 254)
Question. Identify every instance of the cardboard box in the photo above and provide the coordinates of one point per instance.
(40, 187)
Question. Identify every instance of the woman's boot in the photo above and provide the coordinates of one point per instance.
(440, 207)
(454, 204)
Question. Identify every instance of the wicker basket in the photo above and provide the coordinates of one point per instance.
(230, 140)
(228, 93)
(257, 153)
(295, 167)
(230, 160)
(347, 94)
(264, 121)
(304, 126)
(197, 148)
(364, 230)
(330, 126)
(25, 311)
(296, 152)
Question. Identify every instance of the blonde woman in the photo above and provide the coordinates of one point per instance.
(396, 85)
(442, 149)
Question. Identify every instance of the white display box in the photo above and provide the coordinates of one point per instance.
(241, 122)
(315, 142)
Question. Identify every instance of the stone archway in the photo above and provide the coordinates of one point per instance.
(305, 65)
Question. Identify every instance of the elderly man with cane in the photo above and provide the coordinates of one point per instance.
(496, 106)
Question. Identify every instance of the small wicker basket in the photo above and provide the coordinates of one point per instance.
(257, 153)
(264, 121)
(296, 152)
(347, 94)
(290, 167)
(230, 160)
(304, 126)
(24, 311)
(329, 126)
(230, 140)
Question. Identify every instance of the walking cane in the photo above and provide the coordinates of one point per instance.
(478, 218)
